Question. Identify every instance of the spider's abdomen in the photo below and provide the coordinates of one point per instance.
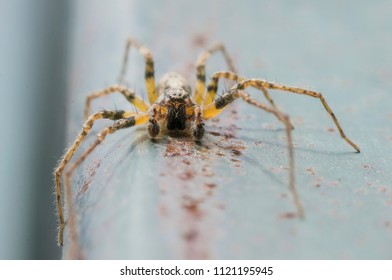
(176, 118)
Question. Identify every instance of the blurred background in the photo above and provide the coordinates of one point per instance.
(52, 53)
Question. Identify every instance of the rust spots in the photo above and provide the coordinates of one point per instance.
(191, 235)
(210, 185)
(215, 133)
(192, 206)
(199, 40)
(186, 175)
(383, 189)
(288, 216)
(320, 181)
(227, 134)
(175, 148)
(310, 171)
(207, 171)
(331, 129)
(91, 174)
(388, 225)
(189, 206)
(236, 151)
(367, 166)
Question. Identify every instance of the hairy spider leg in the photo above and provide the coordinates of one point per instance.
(128, 94)
(88, 124)
(200, 86)
(128, 121)
(149, 72)
(257, 83)
(220, 104)
(213, 87)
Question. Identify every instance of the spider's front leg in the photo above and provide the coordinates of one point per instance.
(149, 71)
(213, 87)
(201, 69)
(88, 124)
(130, 95)
(257, 83)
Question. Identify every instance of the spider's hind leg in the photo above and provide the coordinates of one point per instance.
(220, 104)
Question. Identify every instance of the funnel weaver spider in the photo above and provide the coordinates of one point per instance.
(172, 106)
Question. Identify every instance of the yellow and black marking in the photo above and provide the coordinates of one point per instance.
(149, 71)
(149, 76)
(213, 87)
(127, 93)
(200, 86)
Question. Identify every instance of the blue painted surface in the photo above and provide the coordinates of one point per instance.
(143, 202)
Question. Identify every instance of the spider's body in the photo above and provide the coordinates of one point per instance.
(172, 106)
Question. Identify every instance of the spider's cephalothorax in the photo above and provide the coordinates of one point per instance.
(174, 109)
(173, 106)
(176, 101)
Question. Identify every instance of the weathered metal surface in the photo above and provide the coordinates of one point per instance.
(228, 197)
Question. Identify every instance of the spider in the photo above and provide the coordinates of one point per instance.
(172, 106)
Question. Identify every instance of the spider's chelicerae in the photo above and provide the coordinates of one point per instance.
(173, 106)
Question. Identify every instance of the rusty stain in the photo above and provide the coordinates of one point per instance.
(310, 171)
(383, 189)
(361, 191)
(188, 203)
(192, 206)
(220, 154)
(206, 171)
(367, 166)
(215, 133)
(186, 175)
(235, 151)
(388, 202)
(91, 174)
(199, 40)
(210, 185)
(388, 224)
(190, 235)
(288, 215)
